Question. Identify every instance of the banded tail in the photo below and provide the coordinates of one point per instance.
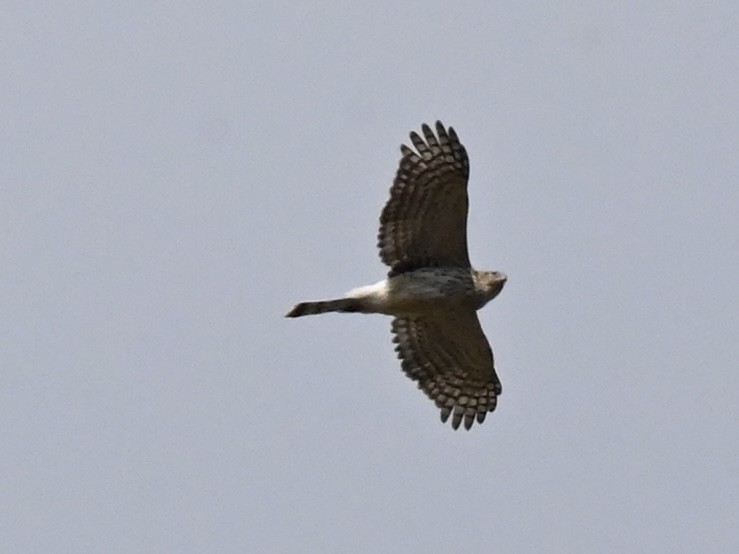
(326, 306)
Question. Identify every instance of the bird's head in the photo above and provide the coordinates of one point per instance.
(490, 283)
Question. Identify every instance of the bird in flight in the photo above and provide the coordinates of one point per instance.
(431, 290)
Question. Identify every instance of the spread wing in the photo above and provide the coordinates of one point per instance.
(449, 357)
(424, 223)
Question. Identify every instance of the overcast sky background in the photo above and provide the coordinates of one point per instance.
(175, 176)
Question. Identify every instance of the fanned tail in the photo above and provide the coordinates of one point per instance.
(326, 306)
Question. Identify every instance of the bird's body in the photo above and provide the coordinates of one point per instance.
(424, 290)
(432, 291)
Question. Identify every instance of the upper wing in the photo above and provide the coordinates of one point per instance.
(424, 223)
(450, 358)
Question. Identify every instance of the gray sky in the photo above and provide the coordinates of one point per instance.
(175, 176)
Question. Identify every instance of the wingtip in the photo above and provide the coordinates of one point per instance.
(461, 418)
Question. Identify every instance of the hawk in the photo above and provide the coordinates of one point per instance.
(431, 290)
